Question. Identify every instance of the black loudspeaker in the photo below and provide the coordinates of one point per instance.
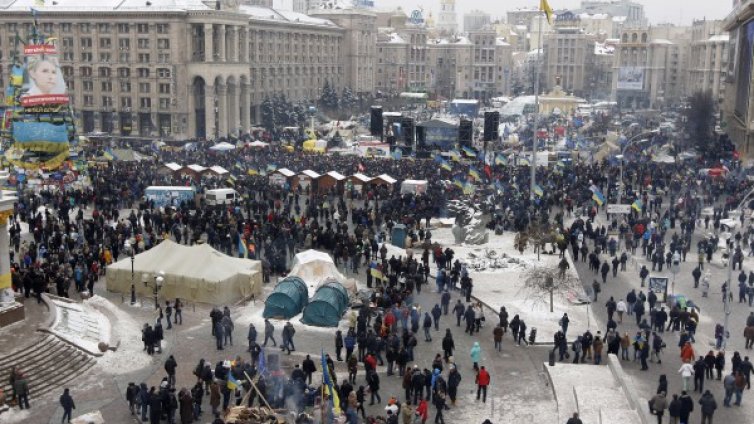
(491, 125)
(407, 128)
(423, 154)
(421, 140)
(390, 140)
(375, 121)
(465, 133)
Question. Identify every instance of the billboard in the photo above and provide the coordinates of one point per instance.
(43, 80)
(630, 78)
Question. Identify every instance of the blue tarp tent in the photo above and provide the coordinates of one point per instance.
(327, 305)
(287, 300)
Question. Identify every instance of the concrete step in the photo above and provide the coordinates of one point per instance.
(47, 364)
(609, 415)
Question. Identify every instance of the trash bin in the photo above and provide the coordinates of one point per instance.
(551, 358)
(398, 236)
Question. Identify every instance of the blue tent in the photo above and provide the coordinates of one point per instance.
(287, 300)
(327, 305)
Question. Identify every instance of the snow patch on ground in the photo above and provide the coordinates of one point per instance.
(15, 415)
(129, 356)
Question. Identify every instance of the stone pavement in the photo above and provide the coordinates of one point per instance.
(710, 314)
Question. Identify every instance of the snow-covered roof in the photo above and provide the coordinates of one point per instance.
(619, 18)
(336, 175)
(196, 168)
(104, 5)
(173, 166)
(311, 174)
(501, 42)
(387, 178)
(587, 15)
(219, 170)
(661, 41)
(603, 49)
(719, 38)
(286, 172)
(395, 38)
(361, 177)
(269, 14)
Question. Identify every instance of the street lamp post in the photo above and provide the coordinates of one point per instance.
(158, 280)
(130, 250)
(675, 269)
(726, 301)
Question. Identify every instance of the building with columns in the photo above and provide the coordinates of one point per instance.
(708, 58)
(192, 69)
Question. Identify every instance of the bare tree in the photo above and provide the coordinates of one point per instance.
(542, 283)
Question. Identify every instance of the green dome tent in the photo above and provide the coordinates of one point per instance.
(287, 300)
(327, 306)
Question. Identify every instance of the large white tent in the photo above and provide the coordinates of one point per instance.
(316, 268)
(196, 273)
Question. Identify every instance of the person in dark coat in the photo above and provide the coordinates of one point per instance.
(155, 407)
(309, 368)
(674, 408)
(448, 345)
(66, 401)
(454, 380)
(338, 345)
(707, 401)
(186, 406)
(687, 406)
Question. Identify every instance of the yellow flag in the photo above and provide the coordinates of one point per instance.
(544, 6)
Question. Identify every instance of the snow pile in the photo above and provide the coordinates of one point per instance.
(94, 417)
(14, 415)
(130, 355)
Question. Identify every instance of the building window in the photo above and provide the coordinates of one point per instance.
(87, 85)
(104, 72)
(104, 57)
(85, 28)
(163, 43)
(164, 103)
(68, 56)
(145, 102)
(125, 102)
(143, 72)
(105, 43)
(124, 28)
(125, 87)
(67, 42)
(107, 86)
(143, 57)
(86, 71)
(86, 57)
(67, 71)
(47, 28)
(144, 87)
(163, 28)
(164, 88)
(142, 28)
(86, 43)
(124, 43)
(104, 28)
(65, 27)
(124, 72)
(143, 43)
(124, 57)
(163, 73)
(88, 100)
(163, 57)
(107, 101)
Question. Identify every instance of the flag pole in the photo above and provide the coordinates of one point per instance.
(536, 112)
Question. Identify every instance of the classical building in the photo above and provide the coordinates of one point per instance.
(193, 69)
(446, 19)
(568, 56)
(633, 11)
(708, 58)
(402, 58)
(474, 20)
(738, 106)
(650, 67)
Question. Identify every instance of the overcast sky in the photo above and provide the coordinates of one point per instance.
(658, 11)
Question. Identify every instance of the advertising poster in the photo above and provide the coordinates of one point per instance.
(630, 78)
(659, 285)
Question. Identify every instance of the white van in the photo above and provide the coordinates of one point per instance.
(220, 196)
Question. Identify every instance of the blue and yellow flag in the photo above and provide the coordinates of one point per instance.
(500, 159)
(446, 166)
(458, 181)
(637, 205)
(232, 382)
(328, 387)
(538, 190)
(474, 173)
(242, 250)
(598, 197)
(469, 151)
(109, 155)
(455, 156)
(523, 161)
(468, 188)
(272, 167)
(252, 172)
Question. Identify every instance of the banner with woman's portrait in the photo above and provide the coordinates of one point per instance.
(43, 79)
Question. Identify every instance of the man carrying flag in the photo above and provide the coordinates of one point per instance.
(328, 387)
(638, 206)
(243, 251)
(538, 190)
(598, 197)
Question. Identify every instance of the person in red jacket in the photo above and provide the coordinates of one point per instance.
(370, 363)
(422, 411)
(482, 381)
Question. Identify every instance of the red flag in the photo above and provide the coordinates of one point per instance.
(488, 171)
